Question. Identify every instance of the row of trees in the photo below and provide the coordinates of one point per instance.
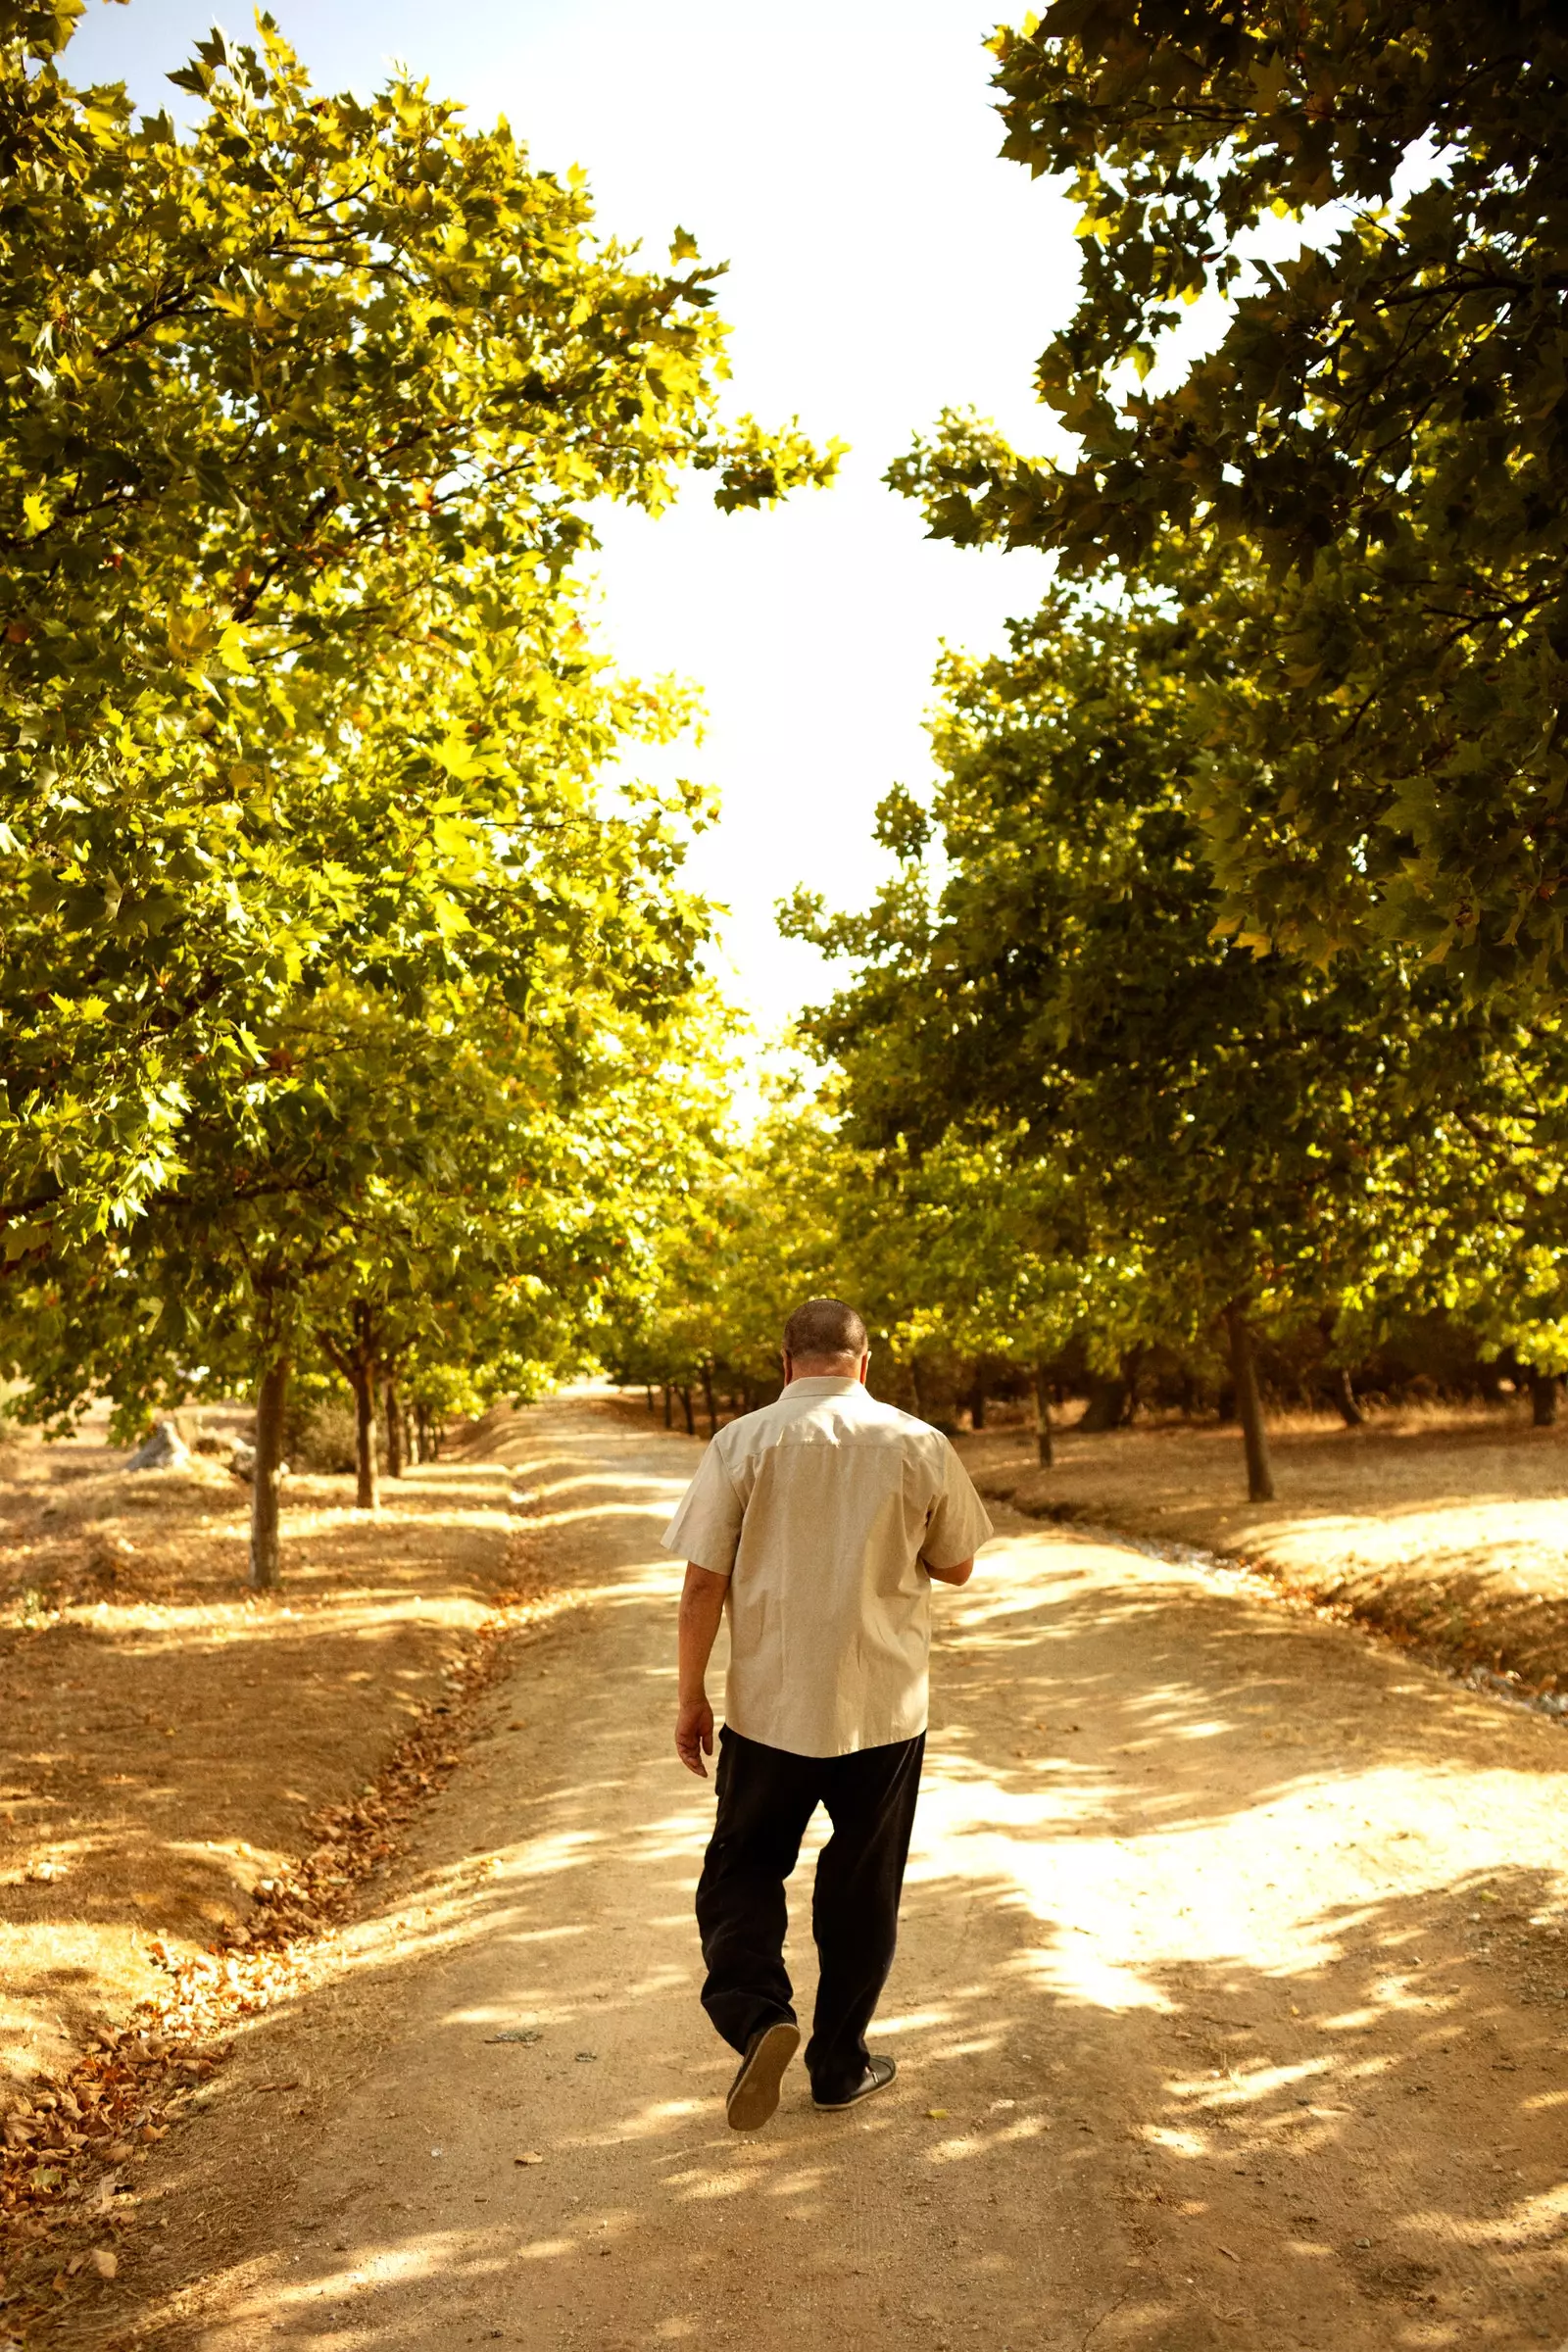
(1217, 996)
(352, 1026)
(347, 1020)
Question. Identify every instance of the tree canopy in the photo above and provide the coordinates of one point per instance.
(300, 415)
(1199, 1140)
(345, 1011)
(1371, 455)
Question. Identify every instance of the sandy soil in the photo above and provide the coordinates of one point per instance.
(1231, 2010)
(166, 1739)
(1447, 1523)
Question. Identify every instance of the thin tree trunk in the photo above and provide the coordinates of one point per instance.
(394, 1431)
(1350, 1412)
(1043, 1439)
(421, 1422)
(271, 1398)
(649, 1393)
(1543, 1388)
(708, 1399)
(669, 1406)
(368, 1469)
(410, 1442)
(1249, 1406)
(977, 1405)
(686, 1408)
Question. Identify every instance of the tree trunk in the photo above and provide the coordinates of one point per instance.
(1107, 1405)
(421, 1422)
(649, 1393)
(367, 1470)
(1043, 1444)
(977, 1405)
(686, 1408)
(708, 1399)
(394, 1431)
(1350, 1412)
(669, 1406)
(1250, 1406)
(411, 1441)
(1544, 1398)
(271, 1400)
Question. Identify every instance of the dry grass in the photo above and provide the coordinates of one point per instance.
(1447, 1523)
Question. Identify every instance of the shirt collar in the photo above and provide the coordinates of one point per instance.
(820, 1384)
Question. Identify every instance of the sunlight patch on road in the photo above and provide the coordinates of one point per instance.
(1539, 2217)
(1242, 2087)
(656, 2120)
(596, 1511)
(1173, 2142)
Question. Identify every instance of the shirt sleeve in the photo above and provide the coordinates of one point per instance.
(956, 1525)
(707, 1527)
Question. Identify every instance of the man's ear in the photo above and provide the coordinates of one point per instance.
(865, 1367)
(789, 1367)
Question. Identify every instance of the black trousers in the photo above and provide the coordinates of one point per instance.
(765, 1798)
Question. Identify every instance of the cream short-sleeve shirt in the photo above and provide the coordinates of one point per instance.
(820, 1509)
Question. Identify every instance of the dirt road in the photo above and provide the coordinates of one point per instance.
(1231, 2008)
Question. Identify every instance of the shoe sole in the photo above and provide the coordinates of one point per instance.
(754, 2094)
(867, 2091)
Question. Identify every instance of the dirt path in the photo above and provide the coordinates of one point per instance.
(1231, 2009)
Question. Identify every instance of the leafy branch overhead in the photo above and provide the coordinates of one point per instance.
(1371, 454)
(302, 416)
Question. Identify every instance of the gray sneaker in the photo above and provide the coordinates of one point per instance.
(879, 2073)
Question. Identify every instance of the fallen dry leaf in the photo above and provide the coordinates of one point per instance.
(529, 2158)
(102, 2262)
(938, 2115)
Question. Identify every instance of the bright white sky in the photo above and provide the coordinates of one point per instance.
(841, 155)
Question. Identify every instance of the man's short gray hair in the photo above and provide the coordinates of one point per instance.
(824, 1327)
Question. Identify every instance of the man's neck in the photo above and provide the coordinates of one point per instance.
(825, 1367)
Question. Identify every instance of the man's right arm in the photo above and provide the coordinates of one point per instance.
(957, 1517)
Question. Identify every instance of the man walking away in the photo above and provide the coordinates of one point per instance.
(822, 1520)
